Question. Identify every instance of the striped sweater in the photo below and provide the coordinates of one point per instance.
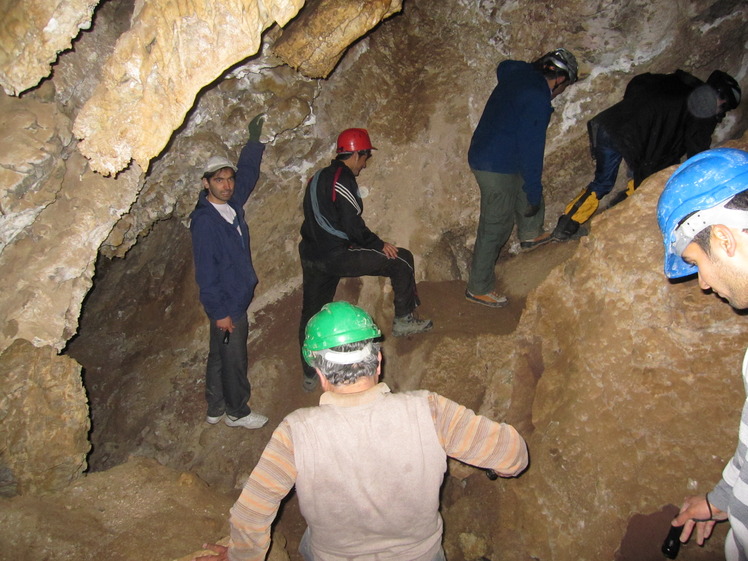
(441, 428)
(731, 493)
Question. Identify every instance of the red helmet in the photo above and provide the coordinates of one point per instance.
(353, 140)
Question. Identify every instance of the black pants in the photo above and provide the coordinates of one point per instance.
(321, 278)
(226, 383)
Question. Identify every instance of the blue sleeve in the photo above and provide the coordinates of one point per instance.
(535, 116)
(248, 171)
(207, 274)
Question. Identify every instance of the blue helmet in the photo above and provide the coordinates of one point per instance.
(697, 190)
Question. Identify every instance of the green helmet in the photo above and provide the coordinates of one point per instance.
(337, 323)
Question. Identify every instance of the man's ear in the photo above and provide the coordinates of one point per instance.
(205, 183)
(323, 381)
(723, 238)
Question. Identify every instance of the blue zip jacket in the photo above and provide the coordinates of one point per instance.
(223, 262)
(510, 136)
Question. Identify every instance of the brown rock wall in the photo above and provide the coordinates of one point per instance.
(44, 414)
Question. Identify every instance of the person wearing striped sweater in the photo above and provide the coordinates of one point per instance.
(367, 463)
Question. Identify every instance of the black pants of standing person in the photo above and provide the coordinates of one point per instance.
(321, 278)
(227, 386)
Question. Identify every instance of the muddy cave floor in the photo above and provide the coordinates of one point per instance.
(141, 509)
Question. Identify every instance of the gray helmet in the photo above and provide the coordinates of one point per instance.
(563, 60)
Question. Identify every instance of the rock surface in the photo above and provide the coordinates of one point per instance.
(45, 422)
(604, 374)
(31, 36)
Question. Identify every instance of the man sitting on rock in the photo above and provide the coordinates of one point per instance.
(336, 243)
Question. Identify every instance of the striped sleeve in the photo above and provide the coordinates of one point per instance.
(254, 511)
(477, 440)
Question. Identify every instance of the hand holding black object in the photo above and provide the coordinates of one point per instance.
(255, 127)
(671, 545)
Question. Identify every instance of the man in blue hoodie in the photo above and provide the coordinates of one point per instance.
(227, 279)
(506, 157)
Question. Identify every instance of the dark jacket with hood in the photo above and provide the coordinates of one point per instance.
(510, 136)
(332, 215)
(652, 126)
(223, 263)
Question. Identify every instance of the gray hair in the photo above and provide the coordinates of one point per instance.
(342, 374)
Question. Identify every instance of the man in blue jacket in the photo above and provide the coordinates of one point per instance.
(227, 279)
(506, 157)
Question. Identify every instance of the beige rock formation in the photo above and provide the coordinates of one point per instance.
(171, 51)
(315, 41)
(31, 36)
(45, 420)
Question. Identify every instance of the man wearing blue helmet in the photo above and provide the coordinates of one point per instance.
(703, 216)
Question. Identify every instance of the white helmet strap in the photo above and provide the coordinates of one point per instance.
(689, 228)
(350, 357)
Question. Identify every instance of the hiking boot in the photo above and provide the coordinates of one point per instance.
(542, 239)
(568, 229)
(410, 325)
(492, 299)
(310, 383)
(212, 420)
(251, 421)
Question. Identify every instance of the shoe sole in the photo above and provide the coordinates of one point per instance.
(229, 423)
(242, 425)
(213, 420)
(492, 304)
(416, 332)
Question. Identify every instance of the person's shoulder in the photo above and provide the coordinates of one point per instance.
(200, 214)
(303, 414)
(509, 67)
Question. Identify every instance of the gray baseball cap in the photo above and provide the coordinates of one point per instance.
(217, 162)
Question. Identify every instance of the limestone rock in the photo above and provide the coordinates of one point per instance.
(44, 419)
(171, 51)
(314, 42)
(138, 510)
(33, 33)
(631, 365)
(31, 169)
(49, 267)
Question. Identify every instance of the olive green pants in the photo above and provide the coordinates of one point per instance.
(502, 204)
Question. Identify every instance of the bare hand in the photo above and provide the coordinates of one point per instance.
(225, 324)
(389, 250)
(695, 512)
(221, 553)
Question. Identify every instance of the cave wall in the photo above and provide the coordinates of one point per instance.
(85, 171)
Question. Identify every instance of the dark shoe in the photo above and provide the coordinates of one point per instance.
(310, 383)
(619, 198)
(542, 239)
(410, 325)
(565, 229)
(492, 299)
